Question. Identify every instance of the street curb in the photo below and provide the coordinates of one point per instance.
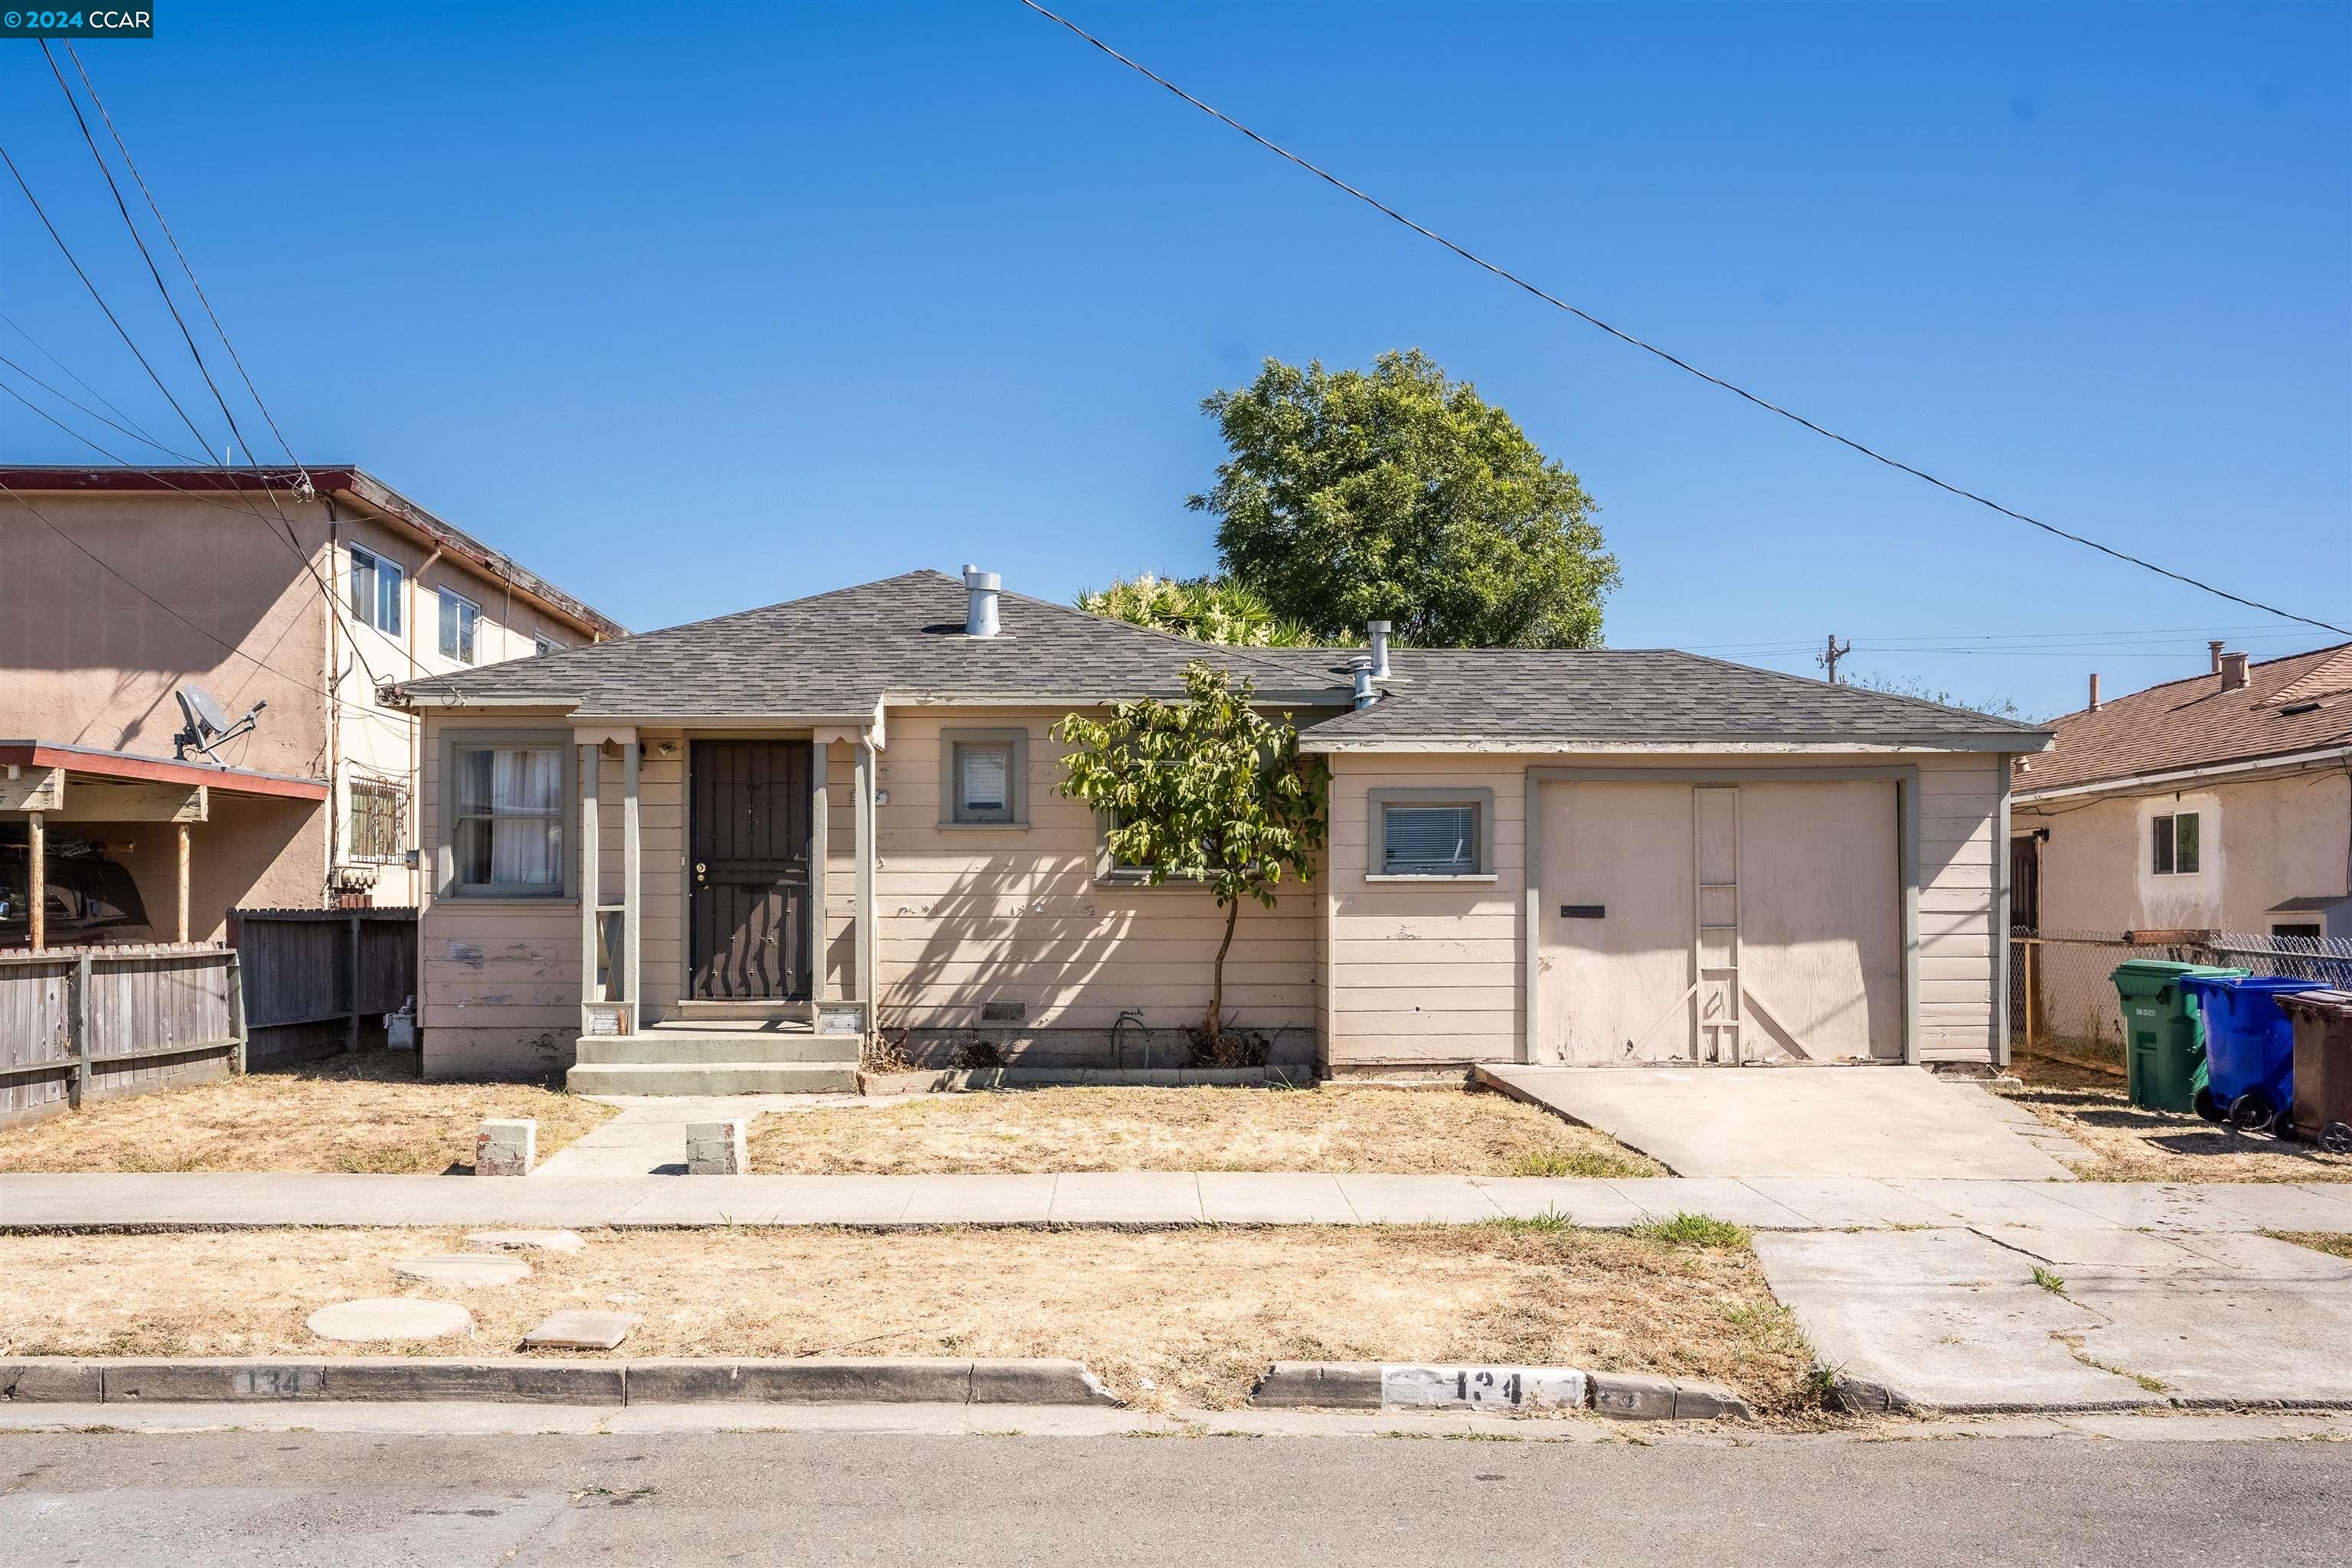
(807, 1380)
(1375, 1386)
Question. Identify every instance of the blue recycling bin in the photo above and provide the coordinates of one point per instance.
(2249, 1045)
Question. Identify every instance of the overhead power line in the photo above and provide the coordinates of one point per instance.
(1625, 337)
(128, 426)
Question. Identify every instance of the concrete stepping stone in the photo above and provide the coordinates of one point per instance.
(524, 1241)
(389, 1318)
(464, 1268)
(581, 1329)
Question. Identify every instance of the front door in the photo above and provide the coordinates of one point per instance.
(749, 839)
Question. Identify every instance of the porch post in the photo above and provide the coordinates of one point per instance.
(865, 916)
(591, 767)
(180, 929)
(819, 828)
(632, 753)
(36, 879)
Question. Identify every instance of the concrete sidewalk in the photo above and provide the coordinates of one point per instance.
(65, 1202)
(2004, 1318)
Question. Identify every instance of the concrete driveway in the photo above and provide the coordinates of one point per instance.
(1820, 1121)
(1960, 1320)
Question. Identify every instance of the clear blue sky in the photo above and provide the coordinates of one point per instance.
(698, 307)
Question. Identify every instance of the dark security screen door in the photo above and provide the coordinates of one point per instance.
(749, 837)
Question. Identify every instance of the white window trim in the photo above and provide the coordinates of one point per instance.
(379, 566)
(445, 850)
(1016, 782)
(1380, 800)
(445, 595)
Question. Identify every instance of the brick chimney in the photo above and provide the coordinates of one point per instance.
(2233, 672)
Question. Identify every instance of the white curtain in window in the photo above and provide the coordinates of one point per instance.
(511, 816)
(1432, 841)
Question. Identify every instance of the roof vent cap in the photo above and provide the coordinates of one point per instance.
(1365, 695)
(1376, 633)
(980, 620)
(2233, 672)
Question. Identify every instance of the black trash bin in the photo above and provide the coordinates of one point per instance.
(2323, 1067)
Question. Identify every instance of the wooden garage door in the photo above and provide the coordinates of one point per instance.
(1728, 922)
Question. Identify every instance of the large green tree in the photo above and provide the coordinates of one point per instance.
(1207, 790)
(1207, 609)
(1397, 494)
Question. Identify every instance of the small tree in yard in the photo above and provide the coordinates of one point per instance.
(1207, 789)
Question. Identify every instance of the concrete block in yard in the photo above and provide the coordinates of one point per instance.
(1631, 1398)
(1318, 1386)
(1710, 1402)
(506, 1147)
(389, 1318)
(514, 1381)
(52, 1380)
(1037, 1380)
(581, 1329)
(1422, 1387)
(811, 1380)
(717, 1148)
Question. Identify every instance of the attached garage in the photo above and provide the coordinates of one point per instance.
(1719, 916)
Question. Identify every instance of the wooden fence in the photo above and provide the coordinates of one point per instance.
(315, 978)
(85, 1024)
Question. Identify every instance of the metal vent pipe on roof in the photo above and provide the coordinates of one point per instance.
(2214, 647)
(1378, 631)
(2095, 691)
(980, 620)
(2233, 672)
(1365, 695)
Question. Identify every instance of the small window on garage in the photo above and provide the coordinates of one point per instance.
(1110, 867)
(2174, 844)
(1442, 832)
(984, 778)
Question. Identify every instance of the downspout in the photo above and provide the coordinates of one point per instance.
(334, 705)
(409, 614)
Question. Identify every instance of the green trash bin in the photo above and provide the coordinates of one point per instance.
(2164, 1037)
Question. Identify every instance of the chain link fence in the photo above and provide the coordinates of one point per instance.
(2062, 995)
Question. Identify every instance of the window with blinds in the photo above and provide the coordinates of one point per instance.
(1429, 840)
(983, 783)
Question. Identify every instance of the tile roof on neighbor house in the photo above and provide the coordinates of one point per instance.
(834, 657)
(2299, 704)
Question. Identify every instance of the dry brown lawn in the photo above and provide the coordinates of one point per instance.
(1408, 1131)
(1177, 1317)
(362, 1112)
(2131, 1144)
(2317, 1240)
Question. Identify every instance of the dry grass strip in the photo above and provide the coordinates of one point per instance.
(361, 1112)
(1185, 1316)
(1406, 1131)
(2131, 1144)
(2317, 1240)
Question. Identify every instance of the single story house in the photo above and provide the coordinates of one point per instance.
(2219, 803)
(844, 808)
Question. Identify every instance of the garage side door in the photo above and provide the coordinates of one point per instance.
(1821, 920)
(1614, 932)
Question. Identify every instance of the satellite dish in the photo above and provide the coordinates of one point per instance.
(208, 722)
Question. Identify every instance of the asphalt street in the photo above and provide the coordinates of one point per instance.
(130, 1501)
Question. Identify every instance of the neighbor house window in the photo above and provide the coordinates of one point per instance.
(2174, 844)
(459, 618)
(1432, 833)
(379, 813)
(506, 826)
(375, 591)
(984, 777)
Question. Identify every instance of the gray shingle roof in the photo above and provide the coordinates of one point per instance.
(1639, 694)
(836, 655)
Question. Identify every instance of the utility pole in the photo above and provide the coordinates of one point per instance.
(1832, 651)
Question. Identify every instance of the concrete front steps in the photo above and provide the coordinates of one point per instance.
(713, 1057)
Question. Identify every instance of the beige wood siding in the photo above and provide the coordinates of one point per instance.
(972, 915)
(498, 980)
(1959, 810)
(1429, 974)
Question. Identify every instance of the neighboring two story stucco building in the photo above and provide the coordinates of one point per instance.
(118, 587)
